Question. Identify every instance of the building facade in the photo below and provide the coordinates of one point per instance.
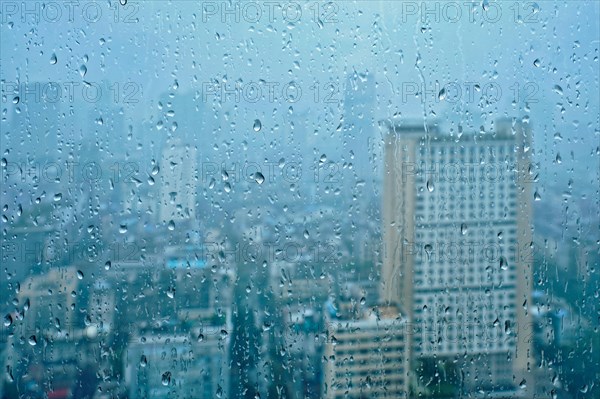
(366, 353)
(458, 247)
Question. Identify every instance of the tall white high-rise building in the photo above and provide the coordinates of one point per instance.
(178, 181)
(458, 248)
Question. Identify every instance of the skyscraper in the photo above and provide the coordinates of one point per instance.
(458, 247)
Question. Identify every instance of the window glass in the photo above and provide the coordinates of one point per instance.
(299, 199)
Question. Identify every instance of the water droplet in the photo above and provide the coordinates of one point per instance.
(257, 125)
(428, 250)
(80, 274)
(323, 158)
(8, 320)
(82, 71)
(463, 229)
(259, 178)
(537, 63)
(32, 340)
(166, 378)
(171, 225)
(442, 94)
(503, 263)
(53, 59)
(57, 197)
(430, 186)
(123, 2)
(171, 292)
(558, 89)
(507, 328)
(143, 361)
(107, 265)
(537, 196)
(16, 99)
(123, 229)
(523, 384)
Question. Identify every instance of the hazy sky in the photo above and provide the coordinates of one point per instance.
(550, 59)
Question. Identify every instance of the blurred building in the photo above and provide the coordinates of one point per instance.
(366, 354)
(458, 255)
(51, 341)
(304, 350)
(179, 342)
(178, 365)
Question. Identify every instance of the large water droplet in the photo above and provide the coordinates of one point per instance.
(53, 59)
(428, 250)
(166, 378)
(558, 89)
(442, 94)
(171, 225)
(82, 71)
(259, 178)
(143, 361)
(430, 186)
(32, 340)
(523, 384)
(503, 263)
(257, 125)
